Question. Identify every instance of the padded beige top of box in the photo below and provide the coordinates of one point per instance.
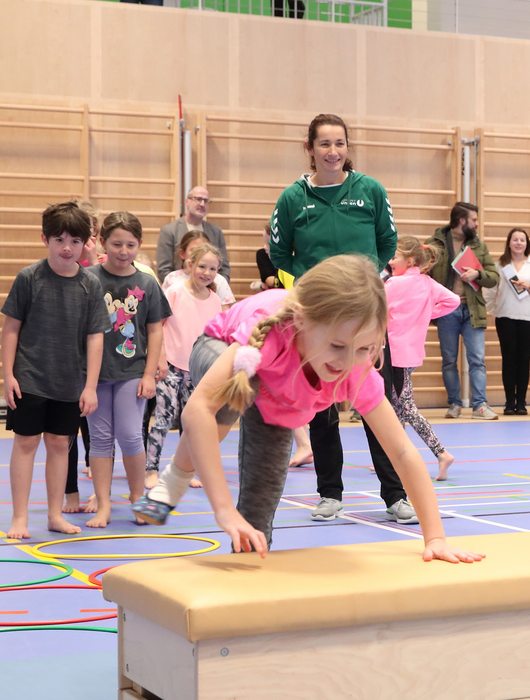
(207, 597)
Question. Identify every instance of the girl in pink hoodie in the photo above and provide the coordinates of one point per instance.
(414, 299)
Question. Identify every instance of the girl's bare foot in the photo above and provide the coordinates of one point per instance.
(19, 529)
(302, 455)
(445, 459)
(196, 484)
(151, 478)
(91, 505)
(71, 503)
(59, 524)
(101, 518)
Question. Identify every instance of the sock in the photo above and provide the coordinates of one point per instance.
(172, 485)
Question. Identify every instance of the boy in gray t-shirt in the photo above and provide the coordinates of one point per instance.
(52, 344)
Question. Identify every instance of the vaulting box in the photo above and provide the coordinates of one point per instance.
(369, 622)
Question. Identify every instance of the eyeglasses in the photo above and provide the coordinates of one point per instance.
(200, 200)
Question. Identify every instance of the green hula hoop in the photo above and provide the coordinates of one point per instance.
(73, 628)
(67, 570)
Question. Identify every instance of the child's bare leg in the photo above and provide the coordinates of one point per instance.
(20, 474)
(71, 502)
(56, 469)
(178, 475)
(303, 453)
(102, 478)
(135, 470)
(445, 459)
(174, 480)
(151, 478)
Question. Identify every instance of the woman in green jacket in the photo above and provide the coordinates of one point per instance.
(330, 211)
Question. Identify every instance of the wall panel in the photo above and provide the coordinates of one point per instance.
(118, 58)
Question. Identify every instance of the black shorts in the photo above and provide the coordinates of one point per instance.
(36, 414)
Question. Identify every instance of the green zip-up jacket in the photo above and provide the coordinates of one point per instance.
(311, 224)
(488, 276)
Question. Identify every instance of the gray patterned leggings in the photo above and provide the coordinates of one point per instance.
(407, 412)
(172, 394)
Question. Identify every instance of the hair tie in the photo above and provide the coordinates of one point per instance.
(247, 359)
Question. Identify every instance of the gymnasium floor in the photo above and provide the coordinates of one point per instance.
(59, 637)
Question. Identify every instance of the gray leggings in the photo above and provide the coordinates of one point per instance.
(264, 450)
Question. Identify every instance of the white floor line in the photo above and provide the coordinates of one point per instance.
(440, 487)
(483, 521)
(421, 448)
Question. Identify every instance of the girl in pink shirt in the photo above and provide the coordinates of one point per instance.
(277, 358)
(414, 299)
(193, 303)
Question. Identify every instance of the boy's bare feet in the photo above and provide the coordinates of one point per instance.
(59, 524)
(302, 455)
(19, 529)
(196, 484)
(445, 459)
(101, 518)
(151, 478)
(71, 503)
(91, 505)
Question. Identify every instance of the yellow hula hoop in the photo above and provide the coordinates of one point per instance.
(37, 549)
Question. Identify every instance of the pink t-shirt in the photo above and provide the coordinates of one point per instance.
(190, 315)
(285, 397)
(414, 299)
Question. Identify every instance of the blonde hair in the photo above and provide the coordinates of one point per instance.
(340, 289)
(199, 253)
(424, 256)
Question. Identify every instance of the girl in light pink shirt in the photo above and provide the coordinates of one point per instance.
(414, 299)
(277, 358)
(193, 303)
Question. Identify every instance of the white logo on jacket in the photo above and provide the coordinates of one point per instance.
(274, 227)
(352, 203)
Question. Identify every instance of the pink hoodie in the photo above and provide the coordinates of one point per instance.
(414, 299)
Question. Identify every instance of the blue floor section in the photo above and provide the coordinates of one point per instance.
(488, 491)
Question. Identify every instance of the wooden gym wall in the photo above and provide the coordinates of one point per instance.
(108, 76)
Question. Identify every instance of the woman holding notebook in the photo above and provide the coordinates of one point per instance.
(509, 302)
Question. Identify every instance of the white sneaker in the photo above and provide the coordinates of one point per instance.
(454, 411)
(484, 412)
(402, 512)
(327, 509)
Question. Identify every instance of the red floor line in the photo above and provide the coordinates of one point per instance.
(14, 612)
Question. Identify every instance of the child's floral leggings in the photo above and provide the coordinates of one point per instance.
(407, 412)
(172, 394)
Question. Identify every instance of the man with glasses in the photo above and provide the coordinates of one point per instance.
(196, 209)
